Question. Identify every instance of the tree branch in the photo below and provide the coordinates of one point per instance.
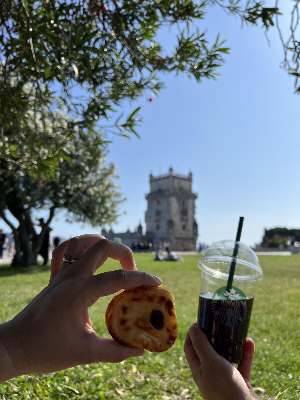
(7, 221)
(51, 214)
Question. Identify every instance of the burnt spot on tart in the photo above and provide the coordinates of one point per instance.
(136, 299)
(171, 339)
(149, 298)
(157, 320)
(162, 299)
(170, 307)
(123, 322)
(124, 309)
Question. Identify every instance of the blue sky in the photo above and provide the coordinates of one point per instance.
(237, 135)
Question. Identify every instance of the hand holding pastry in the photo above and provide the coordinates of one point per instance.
(54, 331)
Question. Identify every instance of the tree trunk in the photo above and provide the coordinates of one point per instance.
(27, 242)
(25, 252)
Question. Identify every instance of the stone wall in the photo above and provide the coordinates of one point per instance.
(127, 238)
(157, 216)
(170, 216)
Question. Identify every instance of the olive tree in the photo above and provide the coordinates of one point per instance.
(84, 185)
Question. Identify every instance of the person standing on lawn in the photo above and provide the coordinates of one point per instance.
(60, 334)
(3, 243)
(44, 250)
(56, 241)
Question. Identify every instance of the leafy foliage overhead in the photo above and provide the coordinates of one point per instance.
(91, 55)
(254, 12)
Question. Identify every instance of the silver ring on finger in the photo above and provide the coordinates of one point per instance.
(68, 259)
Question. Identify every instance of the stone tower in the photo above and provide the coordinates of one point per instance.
(170, 216)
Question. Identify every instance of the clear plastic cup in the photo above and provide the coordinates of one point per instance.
(224, 311)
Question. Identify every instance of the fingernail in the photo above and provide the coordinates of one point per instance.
(157, 278)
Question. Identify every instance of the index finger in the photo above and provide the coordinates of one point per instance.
(99, 253)
(57, 257)
(74, 247)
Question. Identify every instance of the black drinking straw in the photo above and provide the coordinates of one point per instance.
(235, 252)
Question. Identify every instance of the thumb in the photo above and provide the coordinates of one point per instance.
(245, 366)
(108, 350)
(111, 282)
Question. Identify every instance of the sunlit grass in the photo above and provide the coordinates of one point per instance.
(275, 328)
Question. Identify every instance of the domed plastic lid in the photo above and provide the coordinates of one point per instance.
(219, 257)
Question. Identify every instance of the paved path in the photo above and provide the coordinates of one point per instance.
(258, 253)
(7, 259)
(273, 253)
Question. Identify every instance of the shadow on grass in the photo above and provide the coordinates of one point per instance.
(8, 270)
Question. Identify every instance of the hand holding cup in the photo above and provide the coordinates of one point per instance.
(217, 378)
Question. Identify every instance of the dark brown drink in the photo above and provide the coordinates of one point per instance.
(225, 323)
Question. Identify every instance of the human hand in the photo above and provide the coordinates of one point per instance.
(217, 378)
(54, 331)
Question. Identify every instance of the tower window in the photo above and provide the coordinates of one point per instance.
(157, 226)
(183, 227)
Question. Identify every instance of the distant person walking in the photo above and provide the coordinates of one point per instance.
(56, 241)
(134, 246)
(10, 244)
(3, 243)
(44, 250)
(167, 247)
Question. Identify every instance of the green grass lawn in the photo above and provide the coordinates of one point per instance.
(275, 328)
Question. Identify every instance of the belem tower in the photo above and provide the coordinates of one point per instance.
(170, 215)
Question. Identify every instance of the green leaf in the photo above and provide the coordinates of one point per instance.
(136, 134)
(224, 49)
(134, 112)
(116, 123)
(47, 72)
(78, 34)
(88, 37)
(67, 158)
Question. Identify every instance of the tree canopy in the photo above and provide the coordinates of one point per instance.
(279, 237)
(90, 56)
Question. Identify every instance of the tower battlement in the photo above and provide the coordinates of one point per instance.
(189, 176)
